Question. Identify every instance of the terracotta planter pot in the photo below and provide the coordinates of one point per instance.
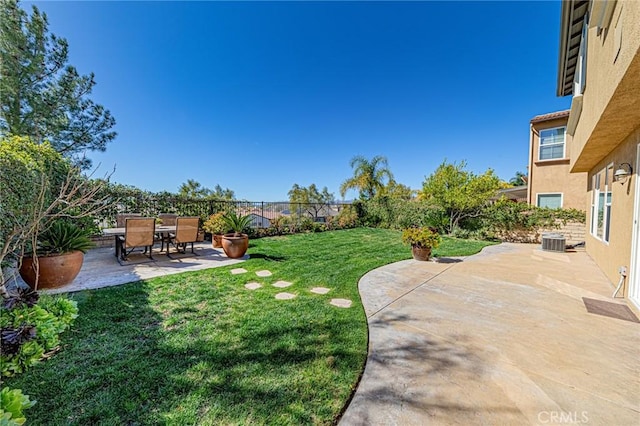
(216, 240)
(54, 270)
(235, 246)
(421, 253)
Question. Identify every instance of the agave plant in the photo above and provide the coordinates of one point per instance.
(63, 237)
(236, 223)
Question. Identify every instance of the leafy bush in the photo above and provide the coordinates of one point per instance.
(306, 223)
(347, 218)
(215, 224)
(505, 215)
(421, 237)
(12, 403)
(21, 346)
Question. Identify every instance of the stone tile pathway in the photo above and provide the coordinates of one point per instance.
(285, 296)
(341, 303)
(253, 285)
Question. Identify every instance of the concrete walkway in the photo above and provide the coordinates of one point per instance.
(501, 338)
(101, 268)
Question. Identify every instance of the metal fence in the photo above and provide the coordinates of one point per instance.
(262, 213)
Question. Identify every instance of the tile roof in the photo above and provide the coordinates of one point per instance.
(550, 116)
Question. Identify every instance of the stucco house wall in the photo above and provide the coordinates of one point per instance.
(554, 176)
(606, 122)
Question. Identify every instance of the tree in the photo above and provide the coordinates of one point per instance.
(310, 199)
(40, 95)
(398, 191)
(519, 179)
(460, 193)
(222, 194)
(193, 189)
(368, 176)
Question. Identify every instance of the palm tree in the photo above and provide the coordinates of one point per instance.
(519, 179)
(368, 176)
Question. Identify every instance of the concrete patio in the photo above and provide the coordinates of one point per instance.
(101, 268)
(501, 338)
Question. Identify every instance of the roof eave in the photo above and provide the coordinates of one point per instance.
(565, 33)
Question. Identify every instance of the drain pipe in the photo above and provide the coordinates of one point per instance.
(623, 274)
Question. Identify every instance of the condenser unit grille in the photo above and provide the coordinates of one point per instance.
(553, 242)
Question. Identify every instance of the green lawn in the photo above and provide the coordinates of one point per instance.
(199, 348)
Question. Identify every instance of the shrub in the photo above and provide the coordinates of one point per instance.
(347, 218)
(306, 223)
(215, 224)
(12, 403)
(28, 332)
(421, 237)
(505, 215)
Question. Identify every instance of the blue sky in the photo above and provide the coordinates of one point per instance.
(259, 96)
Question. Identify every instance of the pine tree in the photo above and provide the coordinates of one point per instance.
(43, 97)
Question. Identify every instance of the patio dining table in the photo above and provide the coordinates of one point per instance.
(117, 232)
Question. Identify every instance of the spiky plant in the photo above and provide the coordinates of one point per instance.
(237, 223)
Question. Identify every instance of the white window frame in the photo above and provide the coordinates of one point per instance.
(564, 143)
(538, 194)
(607, 174)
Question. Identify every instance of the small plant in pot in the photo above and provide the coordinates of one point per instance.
(236, 243)
(216, 226)
(59, 256)
(422, 240)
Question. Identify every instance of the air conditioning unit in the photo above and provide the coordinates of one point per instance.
(553, 242)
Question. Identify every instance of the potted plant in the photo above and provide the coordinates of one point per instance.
(236, 243)
(216, 226)
(422, 240)
(59, 253)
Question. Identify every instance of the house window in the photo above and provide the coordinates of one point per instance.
(552, 143)
(550, 201)
(601, 203)
(580, 76)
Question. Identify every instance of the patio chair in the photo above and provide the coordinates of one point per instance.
(121, 219)
(186, 233)
(168, 219)
(139, 232)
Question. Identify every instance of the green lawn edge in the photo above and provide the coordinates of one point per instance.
(199, 348)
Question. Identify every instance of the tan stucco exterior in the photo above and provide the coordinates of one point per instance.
(608, 129)
(611, 100)
(617, 252)
(553, 176)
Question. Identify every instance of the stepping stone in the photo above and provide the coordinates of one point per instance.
(282, 284)
(238, 271)
(320, 290)
(341, 303)
(253, 286)
(263, 273)
(285, 296)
